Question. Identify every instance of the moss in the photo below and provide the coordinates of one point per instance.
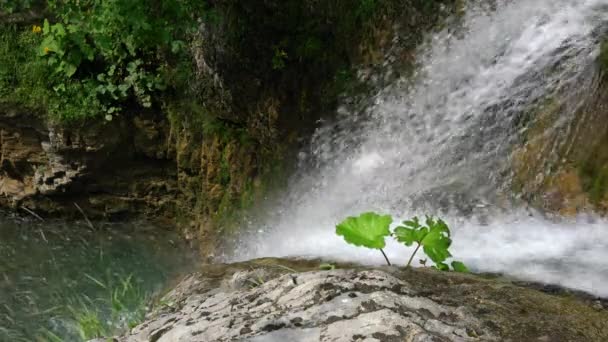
(595, 180)
(603, 58)
(534, 143)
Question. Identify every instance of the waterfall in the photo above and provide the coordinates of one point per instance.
(439, 142)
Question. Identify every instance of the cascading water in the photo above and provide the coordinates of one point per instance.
(450, 129)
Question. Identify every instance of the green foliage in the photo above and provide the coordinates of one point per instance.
(22, 75)
(279, 59)
(370, 230)
(434, 237)
(366, 230)
(12, 6)
(126, 305)
(50, 336)
(104, 55)
(366, 9)
(88, 322)
(459, 267)
(327, 267)
(594, 176)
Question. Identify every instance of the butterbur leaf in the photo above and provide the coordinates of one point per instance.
(436, 244)
(370, 229)
(408, 235)
(366, 230)
(414, 223)
(459, 267)
(437, 224)
(434, 237)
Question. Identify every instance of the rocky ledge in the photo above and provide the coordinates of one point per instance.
(272, 300)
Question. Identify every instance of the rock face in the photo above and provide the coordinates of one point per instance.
(279, 300)
(562, 165)
(108, 169)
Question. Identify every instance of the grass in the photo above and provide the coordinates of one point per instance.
(82, 318)
(124, 306)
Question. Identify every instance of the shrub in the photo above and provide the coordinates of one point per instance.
(108, 55)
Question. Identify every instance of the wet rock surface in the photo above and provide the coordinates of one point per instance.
(284, 300)
(109, 169)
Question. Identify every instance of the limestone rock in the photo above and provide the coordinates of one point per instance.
(107, 170)
(267, 301)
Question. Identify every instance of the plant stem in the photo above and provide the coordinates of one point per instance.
(85, 216)
(412, 257)
(385, 257)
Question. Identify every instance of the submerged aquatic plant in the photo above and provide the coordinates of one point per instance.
(126, 305)
(371, 229)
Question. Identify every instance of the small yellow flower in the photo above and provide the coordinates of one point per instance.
(36, 29)
(46, 50)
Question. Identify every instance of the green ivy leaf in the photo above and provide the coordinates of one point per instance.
(367, 230)
(411, 232)
(459, 267)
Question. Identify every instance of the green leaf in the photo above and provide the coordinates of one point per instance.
(411, 231)
(46, 27)
(408, 236)
(367, 230)
(327, 267)
(49, 44)
(176, 46)
(442, 267)
(414, 223)
(459, 267)
(69, 69)
(436, 244)
(58, 29)
(434, 237)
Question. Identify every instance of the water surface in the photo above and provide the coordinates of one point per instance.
(50, 269)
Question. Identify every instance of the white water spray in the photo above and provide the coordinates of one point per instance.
(450, 129)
